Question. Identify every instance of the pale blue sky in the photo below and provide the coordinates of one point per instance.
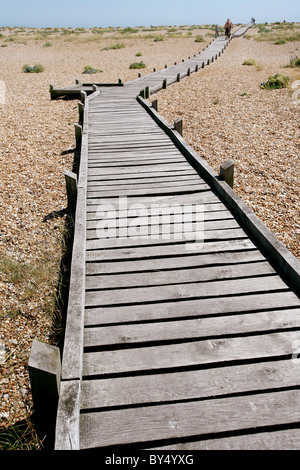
(89, 13)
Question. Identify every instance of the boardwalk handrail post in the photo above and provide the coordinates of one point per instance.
(71, 187)
(178, 125)
(81, 112)
(227, 172)
(44, 368)
(83, 96)
(147, 92)
(155, 104)
(164, 84)
(78, 135)
(178, 77)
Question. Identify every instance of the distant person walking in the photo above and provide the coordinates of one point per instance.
(228, 26)
(217, 31)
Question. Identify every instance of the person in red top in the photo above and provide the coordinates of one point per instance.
(228, 26)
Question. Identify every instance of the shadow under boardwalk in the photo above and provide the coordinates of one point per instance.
(181, 326)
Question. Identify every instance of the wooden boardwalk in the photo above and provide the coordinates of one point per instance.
(182, 330)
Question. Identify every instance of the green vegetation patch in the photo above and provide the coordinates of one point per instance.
(137, 65)
(249, 62)
(117, 45)
(275, 82)
(38, 68)
(199, 38)
(90, 69)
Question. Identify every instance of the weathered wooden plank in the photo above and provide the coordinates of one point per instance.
(191, 308)
(100, 186)
(167, 219)
(155, 181)
(143, 175)
(208, 212)
(144, 218)
(172, 200)
(181, 292)
(98, 193)
(208, 327)
(189, 354)
(182, 420)
(132, 249)
(288, 439)
(98, 163)
(133, 169)
(182, 276)
(157, 265)
(188, 385)
(193, 238)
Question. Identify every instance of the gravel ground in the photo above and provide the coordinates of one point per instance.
(225, 115)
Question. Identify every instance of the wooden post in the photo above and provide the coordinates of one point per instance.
(95, 88)
(78, 135)
(178, 77)
(142, 93)
(80, 112)
(139, 74)
(196, 68)
(120, 81)
(203, 65)
(154, 69)
(227, 172)
(178, 125)
(44, 368)
(208, 62)
(77, 81)
(71, 186)
(83, 96)
(188, 72)
(147, 92)
(155, 104)
(166, 66)
(165, 84)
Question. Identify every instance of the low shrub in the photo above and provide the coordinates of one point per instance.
(138, 54)
(275, 82)
(38, 68)
(90, 69)
(199, 38)
(118, 45)
(280, 41)
(137, 65)
(159, 38)
(249, 62)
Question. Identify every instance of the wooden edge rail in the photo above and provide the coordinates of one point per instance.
(287, 264)
(67, 424)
